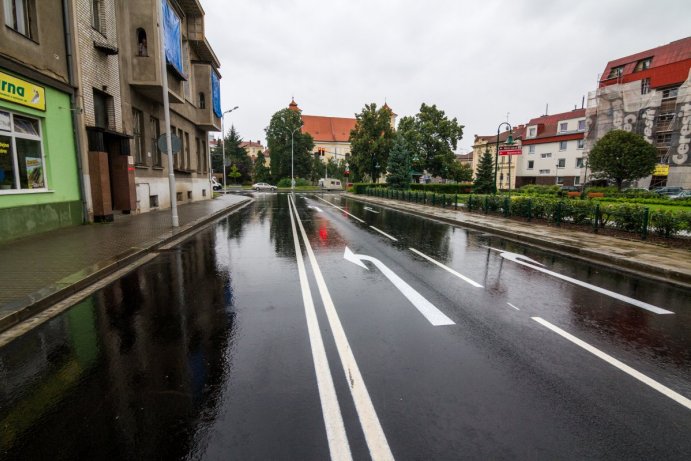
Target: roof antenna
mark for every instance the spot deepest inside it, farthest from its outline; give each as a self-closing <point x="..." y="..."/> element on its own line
<point x="546" y="108"/>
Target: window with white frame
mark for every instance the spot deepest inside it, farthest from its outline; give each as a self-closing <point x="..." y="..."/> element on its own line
<point x="645" y="86"/>
<point x="564" y="126"/>
<point x="545" y="171"/>
<point x="531" y="164"/>
<point x="560" y="180"/>
<point x="562" y="145"/>
<point x="580" y="143"/>
<point x="581" y="125"/>
<point x="531" y="149"/>
<point x="579" y="162"/>
<point x="546" y="155"/>
<point x="22" y="164"/>
<point x="561" y="163"/>
<point x="532" y="132"/>
<point x="20" y="15"/>
<point x="577" y="181"/>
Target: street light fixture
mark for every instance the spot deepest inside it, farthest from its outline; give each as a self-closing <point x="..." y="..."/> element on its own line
<point x="509" y="141"/>
<point x="223" y="144"/>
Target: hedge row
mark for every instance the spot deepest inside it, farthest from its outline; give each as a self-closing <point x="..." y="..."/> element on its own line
<point x="625" y="217"/>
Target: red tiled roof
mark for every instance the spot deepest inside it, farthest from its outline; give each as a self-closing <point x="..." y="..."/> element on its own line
<point x="549" y="124"/>
<point x="328" y="129"/>
<point x="518" y="132"/>
<point x="669" y="64"/>
<point x="251" y="144"/>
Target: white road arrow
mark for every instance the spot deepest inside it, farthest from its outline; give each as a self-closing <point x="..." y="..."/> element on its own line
<point x="526" y="261"/>
<point x="426" y="308"/>
<point x="371" y="210"/>
<point x="315" y="208"/>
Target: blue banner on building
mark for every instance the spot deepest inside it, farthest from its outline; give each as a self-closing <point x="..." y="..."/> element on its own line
<point x="171" y="31"/>
<point x="216" y="93"/>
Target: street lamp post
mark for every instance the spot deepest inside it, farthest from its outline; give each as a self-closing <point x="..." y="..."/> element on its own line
<point x="223" y="144"/>
<point x="292" y="163"/>
<point x="509" y="141"/>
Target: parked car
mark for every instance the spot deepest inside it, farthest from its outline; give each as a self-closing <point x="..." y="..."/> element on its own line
<point x="685" y="194"/>
<point x="215" y="184"/>
<point x="263" y="186"/>
<point x="668" y="190"/>
<point x="330" y="184"/>
<point x="570" y="188"/>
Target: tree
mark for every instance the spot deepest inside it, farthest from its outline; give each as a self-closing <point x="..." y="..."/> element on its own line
<point x="460" y="172"/>
<point x="234" y="173"/>
<point x="278" y="137"/>
<point x="261" y="171"/>
<point x="433" y="138"/>
<point x="399" y="165"/>
<point x="484" y="176"/>
<point x="622" y="156"/>
<point x="370" y="141"/>
<point x="234" y="154"/>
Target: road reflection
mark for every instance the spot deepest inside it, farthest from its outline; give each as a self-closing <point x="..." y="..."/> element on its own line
<point x="135" y="371"/>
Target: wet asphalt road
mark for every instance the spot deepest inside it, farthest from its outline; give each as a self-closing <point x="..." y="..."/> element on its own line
<point x="205" y="353"/>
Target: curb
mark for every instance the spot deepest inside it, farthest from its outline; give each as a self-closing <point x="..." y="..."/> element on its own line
<point x="612" y="262"/>
<point x="33" y="303"/>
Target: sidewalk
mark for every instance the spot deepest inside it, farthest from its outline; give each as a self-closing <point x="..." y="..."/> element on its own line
<point x="638" y="257"/>
<point x="40" y="270"/>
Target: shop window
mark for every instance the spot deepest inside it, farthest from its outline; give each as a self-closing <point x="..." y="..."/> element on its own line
<point x="20" y="15"/>
<point x="21" y="153"/>
<point x="142" y="46"/>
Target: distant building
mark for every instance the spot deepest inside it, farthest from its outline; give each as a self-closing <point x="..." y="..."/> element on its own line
<point x="331" y="134"/>
<point x="508" y="165"/>
<point x="253" y="148"/>
<point x="552" y="150"/>
<point x="649" y="93"/>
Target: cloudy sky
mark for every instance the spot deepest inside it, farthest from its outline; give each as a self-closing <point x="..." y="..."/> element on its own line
<point x="476" y="60"/>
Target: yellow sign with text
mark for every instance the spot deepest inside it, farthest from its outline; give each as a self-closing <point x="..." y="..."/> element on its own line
<point x="661" y="169"/>
<point x="22" y="92"/>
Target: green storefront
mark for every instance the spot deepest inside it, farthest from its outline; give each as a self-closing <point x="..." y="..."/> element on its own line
<point x="39" y="180"/>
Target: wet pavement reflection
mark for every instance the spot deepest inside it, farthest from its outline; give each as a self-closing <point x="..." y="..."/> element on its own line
<point x="144" y="354"/>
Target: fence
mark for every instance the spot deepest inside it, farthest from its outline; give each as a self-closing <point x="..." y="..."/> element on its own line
<point x="625" y="217"/>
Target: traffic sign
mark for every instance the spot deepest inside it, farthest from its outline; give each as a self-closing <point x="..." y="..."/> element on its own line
<point x="509" y="151"/>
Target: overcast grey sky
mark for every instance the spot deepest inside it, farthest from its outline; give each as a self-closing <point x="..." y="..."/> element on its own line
<point x="476" y="60"/>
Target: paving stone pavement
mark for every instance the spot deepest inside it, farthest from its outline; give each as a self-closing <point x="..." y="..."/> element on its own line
<point x="670" y="265"/>
<point x="39" y="268"/>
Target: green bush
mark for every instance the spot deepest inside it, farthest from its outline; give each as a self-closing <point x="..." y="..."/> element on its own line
<point x="285" y="183"/>
<point x="624" y="217"/>
<point x="458" y="188"/>
<point x="666" y="223"/>
<point x="534" y="189"/>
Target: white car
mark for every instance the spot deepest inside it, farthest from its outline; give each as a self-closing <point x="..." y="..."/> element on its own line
<point x="215" y="184"/>
<point x="263" y="186"/>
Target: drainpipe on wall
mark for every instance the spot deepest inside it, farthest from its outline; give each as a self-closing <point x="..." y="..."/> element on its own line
<point x="74" y="109"/>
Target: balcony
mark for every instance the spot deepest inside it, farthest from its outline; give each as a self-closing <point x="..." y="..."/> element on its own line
<point x="206" y="119"/>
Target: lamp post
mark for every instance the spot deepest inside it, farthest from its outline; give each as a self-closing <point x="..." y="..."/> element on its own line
<point x="292" y="163"/>
<point x="509" y="141"/>
<point x="223" y="144"/>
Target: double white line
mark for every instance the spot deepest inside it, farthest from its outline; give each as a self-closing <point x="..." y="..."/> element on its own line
<point x="333" y="420"/>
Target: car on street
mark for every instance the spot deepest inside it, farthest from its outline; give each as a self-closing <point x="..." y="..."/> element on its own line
<point x="668" y="190"/>
<point x="263" y="186"/>
<point x="685" y="194"/>
<point x="215" y="184"/>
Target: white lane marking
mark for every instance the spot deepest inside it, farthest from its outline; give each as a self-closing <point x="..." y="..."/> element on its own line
<point x="461" y="276"/>
<point x="426" y="308"/>
<point x="315" y="208"/>
<point x="384" y="234"/>
<point x="513" y="306"/>
<point x="371" y="427"/>
<point x="526" y="261"/>
<point x="616" y="363"/>
<point x="333" y="420"/>
<point x="338" y="207"/>
<point x="371" y="210"/>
